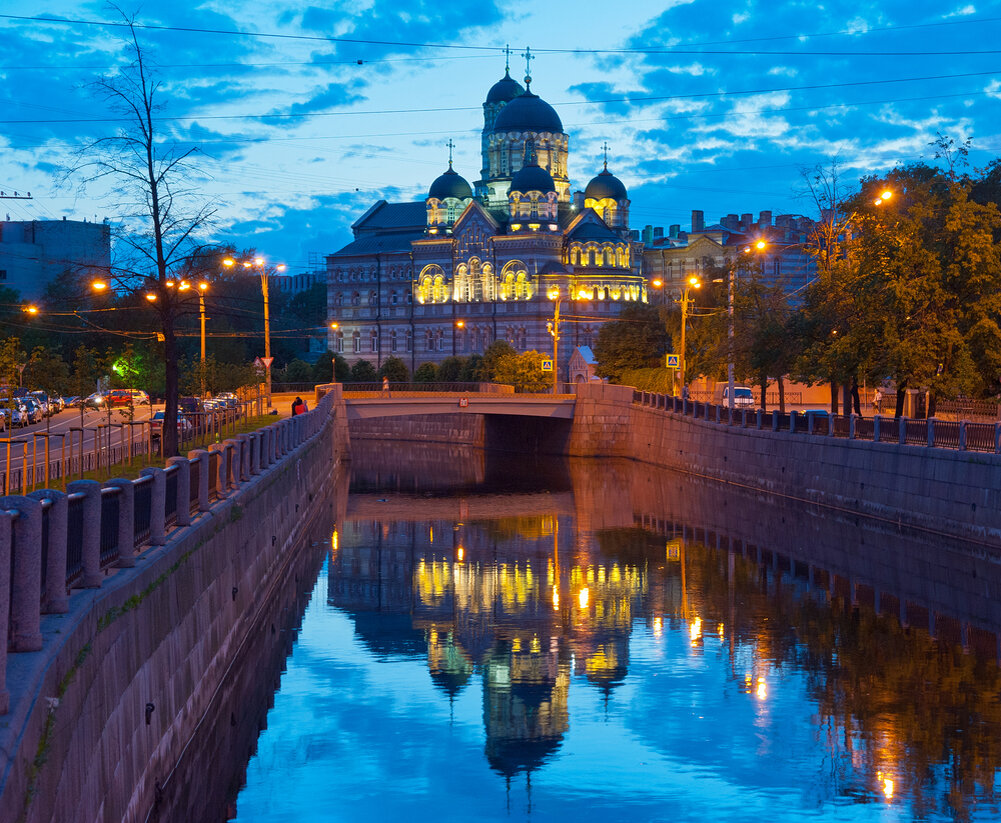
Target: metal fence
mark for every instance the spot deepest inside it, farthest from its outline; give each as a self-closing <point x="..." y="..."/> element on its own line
<point x="93" y="543"/>
<point x="933" y="432"/>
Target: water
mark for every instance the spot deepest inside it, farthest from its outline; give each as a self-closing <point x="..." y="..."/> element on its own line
<point x="602" y="641"/>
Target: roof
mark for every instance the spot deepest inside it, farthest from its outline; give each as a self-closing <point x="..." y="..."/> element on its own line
<point x="591" y="230"/>
<point x="588" y="355"/>
<point x="380" y="243"/>
<point x="605" y="185"/>
<point x="528" y="112"/>
<point x="450" y="184"/>
<point x="387" y="216"/>
<point x="504" y="90"/>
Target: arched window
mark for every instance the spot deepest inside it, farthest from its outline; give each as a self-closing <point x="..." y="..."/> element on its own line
<point x="521" y="287"/>
<point x="507" y="286"/>
<point x="410" y="340"/>
<point x="339" y="342"/>
<point x="373" y="298"/>
<point x="355" y="299"/>
<point x="438" y="289"/>
<point x="394" y="297"/>
<point x="424" y="290"/>
<point x="610" y="256"/>
<point x="574" y="256"/>
<point x="374" y="341"/>
<point x="356" y="342"/>
<point x="339" y="299"/>
<point x="439" y="340"/>
<point x="429" y="340"/>
<point x="392" y="341"/>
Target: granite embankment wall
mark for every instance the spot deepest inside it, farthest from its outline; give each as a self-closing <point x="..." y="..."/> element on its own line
<point x="467" y="429"/>
<point x="101" y="713"/>
<point x="939" y="489"/>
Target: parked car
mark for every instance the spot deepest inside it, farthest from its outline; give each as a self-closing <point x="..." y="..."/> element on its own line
<point x="32" y="409"/>
<point x="184" y="427"/>
<point x="72" y="401"/>
<point x="95" y="401"/>
<point x="189" y="405"/>
<point x="42" y="399"/>
<point x="743" y="396"/>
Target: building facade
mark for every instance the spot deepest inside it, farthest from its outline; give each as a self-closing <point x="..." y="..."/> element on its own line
<point x="471" y="264"/>
<point x="33" y="253"/>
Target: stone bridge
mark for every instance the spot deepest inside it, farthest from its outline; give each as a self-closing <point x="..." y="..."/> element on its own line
<point x="365" y="405"/>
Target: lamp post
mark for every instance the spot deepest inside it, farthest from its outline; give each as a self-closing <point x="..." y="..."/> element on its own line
<point x="686" y="298"/>
<point x="459" y="324"/>
<point x="202" y="288"/>
<point x="258" y="263"/>
<point x="554" y="330"/>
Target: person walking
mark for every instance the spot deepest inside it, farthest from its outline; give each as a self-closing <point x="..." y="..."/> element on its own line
<point x="297" y="407"/>
<point x="877" y="401"/>
<point x="385" y="385"/>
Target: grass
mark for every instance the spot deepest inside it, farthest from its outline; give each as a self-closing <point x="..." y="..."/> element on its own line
<point x="131" y="468"/>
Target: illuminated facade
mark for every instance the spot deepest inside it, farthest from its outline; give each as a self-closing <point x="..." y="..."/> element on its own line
<point x="472" y="264"/>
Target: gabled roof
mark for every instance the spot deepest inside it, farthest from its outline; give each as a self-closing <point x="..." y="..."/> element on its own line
<point x="589" y="226"/>
<point x="467" y="214"/>
<point x="588" y="355"/>
<point x="383" y="216"/>
<point x="379" y="244"/>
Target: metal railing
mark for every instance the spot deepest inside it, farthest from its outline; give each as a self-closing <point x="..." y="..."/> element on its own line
<point x="93" y="543"/>
<point x="963" y="435"/>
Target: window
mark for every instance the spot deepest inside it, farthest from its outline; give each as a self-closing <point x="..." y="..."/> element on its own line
<point x="392" y="342"/>
<point x="429" y="340"/>
<point x="410" y="340"/>
<point x="356" y="342"/>
<point x="394" y="297"/>
<point x="339" y="342"/>
<point x="3" y="274"/>
<point x="374" y="339"/>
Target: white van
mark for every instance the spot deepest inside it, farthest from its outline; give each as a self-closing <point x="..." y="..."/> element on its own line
<point x="743" y="397"/>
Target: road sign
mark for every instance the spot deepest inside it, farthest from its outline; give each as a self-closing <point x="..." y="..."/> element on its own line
<point x="547" y="365"/>
<point x="463" y="402"/>
<point x="258" y="364"/>
<point x="267" y="361"/>
<point x="674" y="361"/>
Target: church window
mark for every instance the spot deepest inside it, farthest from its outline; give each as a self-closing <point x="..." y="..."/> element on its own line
<point x="574" y="256"/>
<point x="374" y="341"/>
<point x="373" y="298"/>
<point x="587" y="336"/>
<point x="394" y="297"/>
<point x="424" y="290"/>
<point x="610" y="256"/>
<point x="339" y="342"/>
<point x="439" y="340"/>
<point x="356" y="342"/>
<point x="355" y="299"/>
<point x="521" y="288"/>
<point x="438" y="291"/>
<point x="429" y="340"/>
<point x="339" y="299"/>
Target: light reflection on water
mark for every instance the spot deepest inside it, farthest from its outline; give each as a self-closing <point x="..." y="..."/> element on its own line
<point x="537" y="656"/>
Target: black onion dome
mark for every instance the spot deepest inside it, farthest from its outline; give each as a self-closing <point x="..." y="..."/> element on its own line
<point x="450" y="184"/>
<point x="528" y="112"/>
<point x="533" y="178"/>
<point x="605" y="185"/>
<point x="504" y="90"/>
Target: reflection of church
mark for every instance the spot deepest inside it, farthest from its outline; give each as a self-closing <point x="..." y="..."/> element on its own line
<point x="488" y="254"/>
<point x="494" y="598"/>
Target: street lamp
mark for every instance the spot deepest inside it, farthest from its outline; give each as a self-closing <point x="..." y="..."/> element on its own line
<point x="686" y="298"/>
<point x="202" y="288"/>
<point x="459" y="324"/>
<point x="258" y="262"/>
<point x="554" y="329"/>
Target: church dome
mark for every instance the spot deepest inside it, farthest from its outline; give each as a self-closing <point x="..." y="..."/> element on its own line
<point x="528" y="112"/>
<point x="605" y="185"/>
<point x="504" y="90"/>
<point x="450" y="184"/>
<point x="533" y="178"/>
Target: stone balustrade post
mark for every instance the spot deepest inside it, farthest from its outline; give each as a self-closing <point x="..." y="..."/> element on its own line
<point x="91" y="538"/>
<point x="997" y="438"/>
<point x="126" y="521"/>
<point x="233" y="463"/>
<point x="157" y="506"/>
<point x="55" y="600"/>
<point x="243" y="447"/>
<point x="183" y="470"/>
<point x="851" y="426"/>
<point x="902" y="430"/>
<point x="202" y="456"/>
<point x="222" y="470"/>
<point x="255" y="453"/>
<point x="962" y="435"/>
<point x="268" y="452"/>
<point x="775" y="421"/>
<point x="930" y="427"/>
<point x="875" y="428"/>
<point x="792" y="421"/>
<point x="5" y="528"/>
<point x="26" y="575"/>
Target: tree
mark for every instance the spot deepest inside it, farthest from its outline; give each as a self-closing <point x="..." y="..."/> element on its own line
<point x="323" y="368"/>
<point x="523" y="371"/>
<point x="84" y="371"/>
<point x="151" y="175"/>
<point x="426" y="373"/>
<point x="297" y="371"/>
<point x="494" y="353"/>
<point x="47" y="370"/>
<point x="342" y="371"/>
<point x="395" y="369"/>
<point x="450" y="369"/>
<point x="363" y="372"/>
<point x="637" y="339"/>
<point x="12" y="359"/>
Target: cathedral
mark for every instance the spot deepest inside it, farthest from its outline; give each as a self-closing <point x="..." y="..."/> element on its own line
<point x="496" y="260"/>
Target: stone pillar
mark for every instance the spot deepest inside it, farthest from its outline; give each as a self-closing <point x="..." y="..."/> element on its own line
<point x="202" y="456"/>
<point x="931" y="432"/>
<point x="851" y="427"/>
<point x="759" y="418"/>
<point x="222" y="475"/>
<point x="902" y="439"/>
<point x="875" y="428"/>
<point x="126" y="521"/>
<point x="233" y="463"/>
<point x="243" y="445"/>
<point x="54" y="598"/>
<point x="255" y="453"/>
<point x="792" y="421"/>
<point x="775" y="421"/>
<point x="183" y="469"/>
<point x="157" y="506"/>
<point x="5" y="527"/>
<point x="267" y="451"/>
<point x="91" y="539"/>
<point x="962" y="435"/>
<point x="26" y="575"/>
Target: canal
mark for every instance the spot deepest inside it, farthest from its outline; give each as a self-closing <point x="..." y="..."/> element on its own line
<point x="490" y="638"/>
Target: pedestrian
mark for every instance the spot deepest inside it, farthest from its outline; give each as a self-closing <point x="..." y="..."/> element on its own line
<point x="877" y="401"/>
<point x="385" y="385"/>
<point x="297" y="406"/>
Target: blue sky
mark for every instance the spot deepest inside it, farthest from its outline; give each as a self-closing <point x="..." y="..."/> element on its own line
<point x="704" y="106"/>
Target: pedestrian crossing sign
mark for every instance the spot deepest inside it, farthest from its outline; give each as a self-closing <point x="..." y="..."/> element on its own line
<point x="547" y="365"/>
<point x="673" y="361"/>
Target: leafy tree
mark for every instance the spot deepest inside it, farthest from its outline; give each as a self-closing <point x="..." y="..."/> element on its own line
<point x="323" y="368"/>
<point x="450" y="369"/>
<point x="84" y="371"/>
<point x="297" y="371"/>
<point x="523" y="371"/>
<point x="496" y="351"/>
<point x="472" y="369"/>
<point x="363" y="372"/>
<point x="47" y="370"/>
<point x="12" y="357"/>
<point x="426" y="373"/>
<point x="636" y="339"/>
<point x="395" y="369"/>
<point x="342" y="371"/>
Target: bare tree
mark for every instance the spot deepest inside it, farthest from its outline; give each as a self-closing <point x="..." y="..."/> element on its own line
<point x="151" y="175"/>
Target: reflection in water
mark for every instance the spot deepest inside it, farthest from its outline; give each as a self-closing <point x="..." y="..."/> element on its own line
<point x="645" y="646"/>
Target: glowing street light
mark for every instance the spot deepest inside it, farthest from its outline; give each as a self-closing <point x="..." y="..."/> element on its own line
<point x="554" y="329"/>
<point x="686" y="298"/>
<point x="99" y="285"/>
<point x="459" y="325"/>
<point x="30" y="309"/>
<point x="151" y="296"/>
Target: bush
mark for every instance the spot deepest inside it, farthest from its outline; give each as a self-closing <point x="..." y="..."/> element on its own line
<point x="450" y="369"/>
<point x="426" y="373"/>
<point x="298" y="371"/>
<point x="395" y="369"/>
<point x="652" y="380"/>
<point x="523" y="371"/>
<point x="323" y="368"/>
<point x="363" y="372"/>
